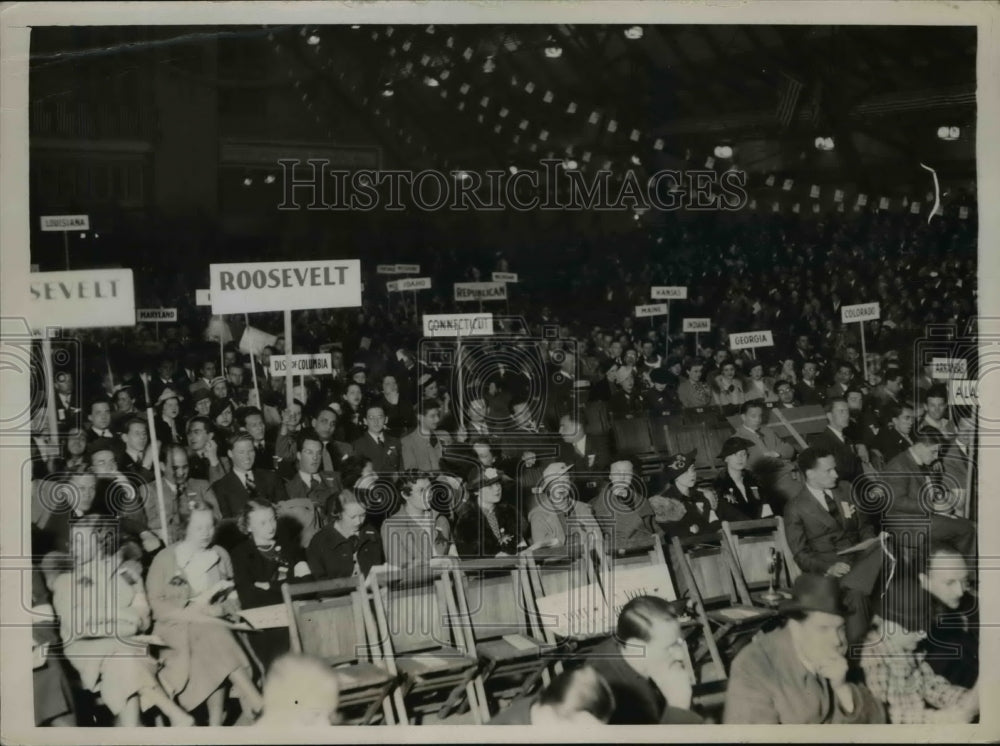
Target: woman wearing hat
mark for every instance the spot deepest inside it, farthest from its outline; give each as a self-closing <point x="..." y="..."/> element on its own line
<point x="221" y="414"/>
<point x="556" y="514"/>
<point x="897" y="672"/>
<point x="682" y="509"/>
<point x="736" y="486"/>
<point x="168" y="423"/>
<point x="756" y="386"/>
<point x="485" y="527"/>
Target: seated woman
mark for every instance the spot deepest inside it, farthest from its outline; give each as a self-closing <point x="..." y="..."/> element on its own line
<point x="361" y="483"/>
<point x="681" y="509"/>
<point x="416" y="533"/>
<point x="221" y="415"/>
<point x="579" y="696"/>
<point x="190" y="587"/>
<point x="168" y="423"/>
<point x="739" y="494"/>
<point x="100" y="603"/>
<point x="260" y="566"/>
<point x="53" y="695"/>
<point x="485" y="527"/>
<point x="557" y="519"/>
<point x="346" y="544"/>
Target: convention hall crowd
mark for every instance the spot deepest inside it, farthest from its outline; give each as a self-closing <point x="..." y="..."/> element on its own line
<point x="803" y="515"/>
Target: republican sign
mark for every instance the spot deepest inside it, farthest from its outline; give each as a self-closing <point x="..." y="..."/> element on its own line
<point x="860" y="312"/>
<point x="473" y="291"/>
<point x="284" y="286"/>
<point x="65" y="222"/>
<point x="697" y="325"/>
<point x="82" y="298"/>
<point x="749" y="340"/>
<point x="669" y="292"/>
<point x="155" y="314"/>
<point x="458" y="324"/>
<point x="312" y="365"/>
<point x="652" y="309"/>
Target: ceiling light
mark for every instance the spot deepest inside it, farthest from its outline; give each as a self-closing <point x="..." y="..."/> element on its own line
<point x="356" y="26"/>
<point x="313" y="40"/>
<point x="948" y="133"/>
<point x="723" y="151"/>
<point x="463" y="175"/>
<point x="269" y="179"/>
<point x="553" y="51"/>
<point x="431" y="82"/>
<point x="633" y="32"/>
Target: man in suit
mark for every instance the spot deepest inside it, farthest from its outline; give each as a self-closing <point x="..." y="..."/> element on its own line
<point x="204" y="459"/>
<point x="308" y="490"/>
<point x="383" y="450"/>
<point x="808" y="390"/>
<point x="99" y="418"/>
<point x="913" y="495"/>
<point x="936" y="406"/>
<point x="836" y="441"/>
<point x="423" y="448"/>
<point x="179" y="490"/>
<point x="251" y="420"/>
<point x="67" y="401"/>
<point x="589" y="455"/>
<point x="896" y="435"/>
<point x="245" y="481"/>
<point x="324" y="423"/>
<point x="786" y="395"/>
<point x="890" y="392"/>
<point x="841" y="381"/>
<point x="137" y="457"/>
<point x="959" y="464"/>
<point x="823" y="520"/>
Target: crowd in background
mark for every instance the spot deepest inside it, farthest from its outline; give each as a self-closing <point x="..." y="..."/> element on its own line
<point x="511" y="445"/>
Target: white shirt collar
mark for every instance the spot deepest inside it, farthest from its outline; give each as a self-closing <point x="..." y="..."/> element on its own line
<point x="307" y="478"/>
<point x="838" y="433"/>
<point x="820" y="495"/>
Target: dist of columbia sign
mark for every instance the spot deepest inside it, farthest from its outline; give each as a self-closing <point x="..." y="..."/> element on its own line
<point x="284" y="286"/>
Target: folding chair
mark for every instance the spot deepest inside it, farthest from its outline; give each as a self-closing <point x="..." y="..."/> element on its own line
<point x="415" y="612"/>
<point x="750" y="546"/>
<point x="791" y="566"/>
<point x="493" y="597"/>
<point x="330" y="621"/>
<point x="633" y="437"/>
<point x="705" y="557"/>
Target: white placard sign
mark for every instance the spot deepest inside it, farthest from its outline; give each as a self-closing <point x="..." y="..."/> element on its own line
<point x="475" y="291"/>
<point x="408" y="269"/>
<point x="458" y="324"/>
<point x="860" y="312"/>
<point x="81" y="298"/>
<point x="412" y="283"/>
<point x="652" y="309"/>
<point x="392" y="286"/>
<point x="750" y="340"/>
<point x="669" y="292"/>
<point x="155" y="314"/>
<point x="285" y="286"/>
<point x="385" y="269"/>
<point x="697" y="325"/>
<point x="963" y="393"/>
<point x="505" y="277"/>
<point x="203" y="297"/>
<point x="949" y="367"/>
<point x="590" y="613"/>
<point x="65" y="222"/>
<point x="312" y="365"/>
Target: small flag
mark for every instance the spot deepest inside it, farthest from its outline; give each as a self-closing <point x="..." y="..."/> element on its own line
<point x="787" y="185"/>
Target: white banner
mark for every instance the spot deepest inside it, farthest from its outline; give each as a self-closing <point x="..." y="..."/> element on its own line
<point x="256" y="340"/>
<point x="303" y="365"/>
<point x="81" y="298"/>
<point x="697" y="325"/>
<point x="653" y="309"/>
<point x="65" y="222"/>
<point x="949" y="367"/>
<point x="749" y="340"/>
<point x="669" y="292"/>
<point x="860" y="312"/>
<point x="408" y="269"/>
<point x="473" y="291"/>
<point x="155" y="314"/>
<point x="964" y="393"/>
<point x="283" y="286"/>
<point x="410" y="283"/>
<point x="203" y="297"/>
<point x="577" y="612"/>
<point x="458" y="324"/>
<point x="505" y="277"/>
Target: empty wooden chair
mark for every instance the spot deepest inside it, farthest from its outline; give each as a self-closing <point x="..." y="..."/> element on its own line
<point x="759" y="562"/>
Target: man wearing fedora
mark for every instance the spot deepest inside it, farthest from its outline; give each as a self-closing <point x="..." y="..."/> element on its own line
<point x="798" y="672"/>
<point x="556" y="515"/>
<point x="821" y="522"/>
<point x="897" y="672"/>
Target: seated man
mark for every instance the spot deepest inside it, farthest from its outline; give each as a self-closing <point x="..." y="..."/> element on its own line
<point x="836" y="440"/>
<point x="913" y="494"/>
<point x="645" y="663"/>
<point x="623" y="510"/>
<point x="578" y="696"/>
<point x="821" y="522"/>
<point x="308" y="491"/>
<point x="557" y="518"/>
<point x="769" y="456"/>
<point x="895" y="434"/>
<point x="798" y="672"/>
<point x="952" y="643"/>
<point x="897" y="673"/>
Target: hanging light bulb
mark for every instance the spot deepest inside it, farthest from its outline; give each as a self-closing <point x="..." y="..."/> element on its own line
<point x="553" y="51"/>
<point x="431" y="82"/>
<point x="313" y="40"/>
<point x="633" y="32"/>
<point x="269" y="179"/>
